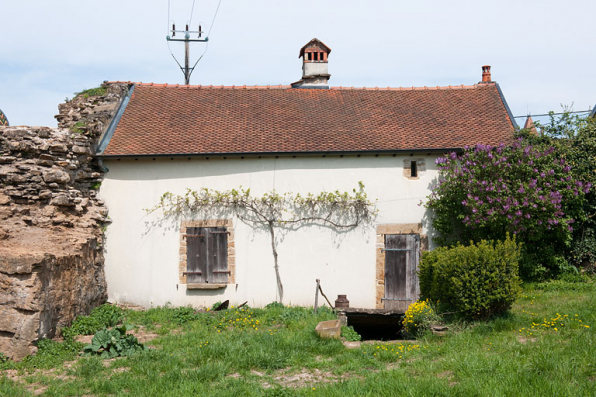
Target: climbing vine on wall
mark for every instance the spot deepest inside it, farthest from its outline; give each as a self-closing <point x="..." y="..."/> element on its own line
<point x="288" y="211"/>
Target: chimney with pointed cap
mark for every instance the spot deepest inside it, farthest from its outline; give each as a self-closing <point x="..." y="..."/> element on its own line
<point x="486" y="78"/>
<point x="315" y="72"/>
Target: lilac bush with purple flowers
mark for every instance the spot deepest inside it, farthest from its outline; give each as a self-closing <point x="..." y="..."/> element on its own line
<point x="523" y="189"/>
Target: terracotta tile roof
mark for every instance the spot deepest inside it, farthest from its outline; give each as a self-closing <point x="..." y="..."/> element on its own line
<point x="163" y="119"/>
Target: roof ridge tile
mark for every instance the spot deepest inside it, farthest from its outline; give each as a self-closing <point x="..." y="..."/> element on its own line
<point x="281" y="86"/>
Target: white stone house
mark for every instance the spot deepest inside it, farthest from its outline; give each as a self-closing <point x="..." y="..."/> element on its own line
<point x="303" y="138"/>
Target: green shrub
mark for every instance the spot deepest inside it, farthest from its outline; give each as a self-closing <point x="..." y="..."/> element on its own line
<point x="477" y="281"/>
<point x="110" y="343"/>
<point x="350" y="334"/>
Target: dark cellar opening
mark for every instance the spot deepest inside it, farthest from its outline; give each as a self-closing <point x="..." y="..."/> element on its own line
<point x="373" y="326"/>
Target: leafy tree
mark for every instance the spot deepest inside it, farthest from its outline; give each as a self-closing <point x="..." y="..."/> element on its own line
<point x="525" y="189"/>
<point x="575" y="140"/>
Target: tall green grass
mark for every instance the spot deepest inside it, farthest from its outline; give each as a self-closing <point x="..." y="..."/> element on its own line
<point x="257" y="352"/>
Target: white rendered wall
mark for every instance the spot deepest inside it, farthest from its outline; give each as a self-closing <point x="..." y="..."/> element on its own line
<point x="142" y="251"/>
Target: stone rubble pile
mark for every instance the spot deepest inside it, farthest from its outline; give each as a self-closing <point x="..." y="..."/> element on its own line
<point x="49" y="177"/>
<point x="91" y="115"/>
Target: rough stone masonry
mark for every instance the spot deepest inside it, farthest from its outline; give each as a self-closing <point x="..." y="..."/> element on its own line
<point x="51" y="222"/>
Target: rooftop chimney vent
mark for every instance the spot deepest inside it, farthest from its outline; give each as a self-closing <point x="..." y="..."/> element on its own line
<point x="315" y="73"/>
<point x="486" y="78"/>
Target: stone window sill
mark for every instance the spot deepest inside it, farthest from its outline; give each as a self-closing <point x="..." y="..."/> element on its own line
<point x="206" y="286"/>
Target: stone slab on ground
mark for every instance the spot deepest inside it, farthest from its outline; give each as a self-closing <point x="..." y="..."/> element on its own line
<point x="329" y="329"/>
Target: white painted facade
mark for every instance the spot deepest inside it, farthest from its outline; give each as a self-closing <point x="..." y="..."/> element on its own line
<point x="142" y="255"/>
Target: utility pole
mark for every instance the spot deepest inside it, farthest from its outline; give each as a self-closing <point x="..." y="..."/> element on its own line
<point x="187" y="70"/>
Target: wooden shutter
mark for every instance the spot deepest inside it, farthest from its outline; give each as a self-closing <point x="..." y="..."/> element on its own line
<point x="207" y="255"/>
<point x="401" y="264"/>
<point x="217" y="263"/>
<point x="196" y="253"/>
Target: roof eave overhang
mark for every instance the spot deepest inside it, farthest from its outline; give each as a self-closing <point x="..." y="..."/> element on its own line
<point x="280" y="154"/>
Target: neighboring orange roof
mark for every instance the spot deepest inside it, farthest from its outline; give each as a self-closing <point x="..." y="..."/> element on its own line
<point x="175" y="119"/>
<point x="529" y="125"/>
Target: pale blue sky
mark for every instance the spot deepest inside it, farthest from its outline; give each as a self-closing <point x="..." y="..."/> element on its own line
<point x="541" y="51"/>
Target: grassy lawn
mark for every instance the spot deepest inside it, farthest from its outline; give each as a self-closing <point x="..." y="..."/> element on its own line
<point x="545" y="347"/>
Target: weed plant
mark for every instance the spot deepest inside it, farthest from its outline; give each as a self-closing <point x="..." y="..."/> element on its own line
<point x="350" y="334"/>
<point x="98" y="91"/>
<point x="50" y="354"/>
<point x="115" y="342"/>
<point x="101" y="317"/>
<point x="185" y="314"/>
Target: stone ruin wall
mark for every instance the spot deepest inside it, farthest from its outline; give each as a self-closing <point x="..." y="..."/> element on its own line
<point x="51" y="222"/>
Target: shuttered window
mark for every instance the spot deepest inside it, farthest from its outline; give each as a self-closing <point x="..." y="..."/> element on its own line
<point x="207" y="255"/>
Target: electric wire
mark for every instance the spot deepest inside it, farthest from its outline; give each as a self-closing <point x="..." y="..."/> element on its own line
<point x="207" y="46"/>
<point x="214" y="16"/>
<point x="201" y="57"/>
<point x="192" y="10"/>
<point x="168" y="41"/>
<point x="173" y="56"/>
<point x="548" y="114"/>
